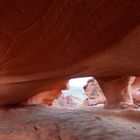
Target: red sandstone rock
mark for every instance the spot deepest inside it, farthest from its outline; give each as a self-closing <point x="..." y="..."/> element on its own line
<point x="135" y="86"/>
<point x="49" y="96"/>
<point x="44" y="41"/>
<point x="118" y="86"/>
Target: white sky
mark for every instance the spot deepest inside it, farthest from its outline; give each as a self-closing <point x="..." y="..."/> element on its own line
<point x="78" y="82"/>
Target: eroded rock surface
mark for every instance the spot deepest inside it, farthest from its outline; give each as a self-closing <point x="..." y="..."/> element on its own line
<point x="117" y="91"/>
<point x="52" y="93"/>
<point x="42" y="122"/>
<point x="44" y="41"/>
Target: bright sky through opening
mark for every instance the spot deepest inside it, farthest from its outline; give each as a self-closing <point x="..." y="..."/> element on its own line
<point x="78" y="82"/>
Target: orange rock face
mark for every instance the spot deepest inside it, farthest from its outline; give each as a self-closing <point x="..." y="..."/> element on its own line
<point x="49" y="96"/>
<point x="117" y="92"/>
<point x="46" y="41"/>
<point x="46" y="97"/>
<point x="135" y="86"/>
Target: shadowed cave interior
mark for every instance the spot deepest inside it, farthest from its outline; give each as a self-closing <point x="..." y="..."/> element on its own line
<point x="46" y="43"/>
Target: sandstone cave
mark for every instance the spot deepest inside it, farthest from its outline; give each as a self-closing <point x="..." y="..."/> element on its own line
<point x="44" y="44"/>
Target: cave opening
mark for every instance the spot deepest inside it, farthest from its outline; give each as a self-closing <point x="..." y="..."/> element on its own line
<point x="87" y="92"/>
<point x="80" y="92"/>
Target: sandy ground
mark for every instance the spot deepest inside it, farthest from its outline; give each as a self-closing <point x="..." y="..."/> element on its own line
<point x="47" y="123"/>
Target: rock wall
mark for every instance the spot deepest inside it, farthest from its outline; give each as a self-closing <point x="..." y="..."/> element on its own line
<point x="49" y="96"/>
<point x="44" y="41"/>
